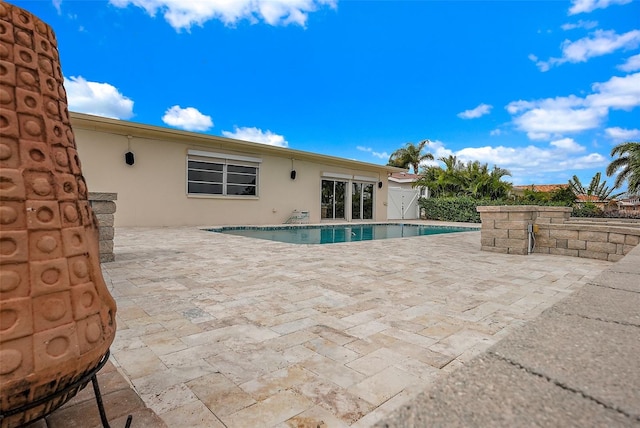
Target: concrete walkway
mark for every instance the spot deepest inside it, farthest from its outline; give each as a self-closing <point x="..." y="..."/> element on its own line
<point x="577" y="365"/>
<point x="218" y="330"/>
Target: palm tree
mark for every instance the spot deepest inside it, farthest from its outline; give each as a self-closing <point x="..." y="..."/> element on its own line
<point x="473" y="178"/>
<point x="596" y="188"/>
<point x="442" y="182"/>
<point x="497" y="188"/>
<point x="480" y="183"/>
<point x="628" y="163"/>
<point x="410" y="156"/>
<point x="459" y="179"/>
<point x="576" y="186"/>
<point x="451" y="179"/>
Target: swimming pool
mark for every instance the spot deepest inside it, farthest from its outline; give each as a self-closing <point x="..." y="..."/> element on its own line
<point x="331" y="234"/>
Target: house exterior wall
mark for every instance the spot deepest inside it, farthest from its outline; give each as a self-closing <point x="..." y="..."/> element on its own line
<point x="152" y="192"/>
<point x="404" y="186"/>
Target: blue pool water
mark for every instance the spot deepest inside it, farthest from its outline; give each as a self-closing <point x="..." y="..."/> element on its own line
<point x="338" y="233"/>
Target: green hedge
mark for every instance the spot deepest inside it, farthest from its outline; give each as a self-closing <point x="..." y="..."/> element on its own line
<point x="453" y="209"/>
<point x="464" y="208"/>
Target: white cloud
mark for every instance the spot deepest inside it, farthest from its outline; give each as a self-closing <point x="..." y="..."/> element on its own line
<point x="257" y="136"/>
<point x="523" y="161"/>
<point x="588" y="25"/>
<point x="621" y="134"/>
<point x="100" y="99"/>
<point x="617" y="93"/>
<point x="183" y="14"/>
<point x="632" y="64"/>
<point x="381" y="155"/>
<point x="601" y="43"/>
<point x="586" y="6"/>
<point x="526" y="163"/>
<point x="495" y="132"/>
<point x="542" y="123"/>
<point x="438" y="150"/>
<point x="598" y="43"/>
<point x="187" y="118"/>
<point x="542" y="65"/>
<point x="542" y="119"/>
<point x="568" y="145"/>
<point x="479" y="111"/>
<point x="57" y="4"/>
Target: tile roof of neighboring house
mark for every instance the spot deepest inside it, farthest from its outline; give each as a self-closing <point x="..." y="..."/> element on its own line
<point x="541" y="187"/>
<point x="403" y="177"/>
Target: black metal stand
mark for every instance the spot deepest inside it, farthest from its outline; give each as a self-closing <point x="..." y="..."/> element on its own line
<point x="91" y="375"/>
<point x="98" y="394"/>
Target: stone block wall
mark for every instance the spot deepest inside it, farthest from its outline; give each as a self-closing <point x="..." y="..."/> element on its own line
<point x="591" y="240"/>
<point x="104" y="207"/>
<point x="504" y="230"/>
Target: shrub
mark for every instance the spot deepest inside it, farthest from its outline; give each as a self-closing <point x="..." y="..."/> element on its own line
<point x="587" y="210"/>
<point x="463" y="208"/>
<point x="622" y="214"/>
<point x="453" y="209"/>
<point x="563" y="196"/>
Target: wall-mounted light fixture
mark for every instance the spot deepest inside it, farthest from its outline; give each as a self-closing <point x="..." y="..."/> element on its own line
<point x="293" y="171"/>
<point x="379" y="182"/>
<point x="129" y="157"/>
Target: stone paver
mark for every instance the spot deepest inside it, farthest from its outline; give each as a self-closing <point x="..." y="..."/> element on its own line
<point x="234" y="331"/>
<point x="575" y="365"/>
<point x="119" y="399"/>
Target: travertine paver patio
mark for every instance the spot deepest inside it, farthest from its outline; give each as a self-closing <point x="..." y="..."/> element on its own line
<point x="219" y="330"/>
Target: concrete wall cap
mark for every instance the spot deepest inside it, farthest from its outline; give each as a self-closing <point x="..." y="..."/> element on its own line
<point x="512" y="208"/>
<point x="592" y="228"/>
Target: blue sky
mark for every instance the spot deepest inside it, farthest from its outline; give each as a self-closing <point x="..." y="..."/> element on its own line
<point x="542" y="88"/>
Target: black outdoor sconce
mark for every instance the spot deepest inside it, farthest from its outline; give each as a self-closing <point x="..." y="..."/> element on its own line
<point x="379" y="184"/>
<point x="129" y="158"/>
<point x="293" y="171"/>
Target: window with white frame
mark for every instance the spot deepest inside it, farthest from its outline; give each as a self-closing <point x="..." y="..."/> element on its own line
<point x="222" y="175"/>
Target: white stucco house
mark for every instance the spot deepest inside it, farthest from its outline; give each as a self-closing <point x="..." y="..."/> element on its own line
<point x="169" y="177"/>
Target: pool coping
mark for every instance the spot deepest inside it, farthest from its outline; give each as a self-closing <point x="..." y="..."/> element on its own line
<point x="319" y="240"/>
<point x="332" y="225"/>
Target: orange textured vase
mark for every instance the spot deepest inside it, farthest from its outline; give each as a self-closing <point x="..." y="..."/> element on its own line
<point x="57" y="318"/>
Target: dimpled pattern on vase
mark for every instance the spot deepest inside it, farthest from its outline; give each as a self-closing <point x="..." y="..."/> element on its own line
<point x="57" y="318"/>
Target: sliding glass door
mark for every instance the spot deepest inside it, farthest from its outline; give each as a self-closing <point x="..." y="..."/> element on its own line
<point x="333" y="199"/>
<point x="362" y="201"/>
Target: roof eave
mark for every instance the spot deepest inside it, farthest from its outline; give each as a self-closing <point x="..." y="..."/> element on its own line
<point x="123" y="127"/>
